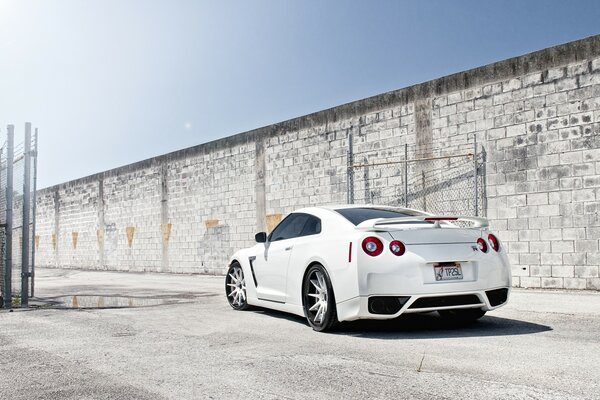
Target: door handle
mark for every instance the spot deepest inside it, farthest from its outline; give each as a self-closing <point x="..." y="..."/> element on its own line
<point x="288" y="248"/>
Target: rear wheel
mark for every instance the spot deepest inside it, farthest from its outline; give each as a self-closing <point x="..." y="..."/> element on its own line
<point x="462" y="315"/>
<point x="319" y="301"/>
<point x="235" y="287"/>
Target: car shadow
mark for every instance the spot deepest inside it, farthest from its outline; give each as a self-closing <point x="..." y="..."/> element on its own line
<point x="424" y="326"/>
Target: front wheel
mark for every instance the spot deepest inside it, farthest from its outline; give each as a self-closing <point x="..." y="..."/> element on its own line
<point x="319" y="300"/>
<point x="463" y="315"/>
<point x="235" y="287"/>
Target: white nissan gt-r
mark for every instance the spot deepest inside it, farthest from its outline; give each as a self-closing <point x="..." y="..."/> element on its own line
<point x="344" y="263"/>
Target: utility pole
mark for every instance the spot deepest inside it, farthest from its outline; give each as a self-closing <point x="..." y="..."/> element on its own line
<point x="33" y="249"/>
<point x="9" y="222"/>
<point x="26" y="217"/>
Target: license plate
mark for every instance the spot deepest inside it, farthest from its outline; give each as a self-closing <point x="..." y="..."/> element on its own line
<point x="447" y="271"/>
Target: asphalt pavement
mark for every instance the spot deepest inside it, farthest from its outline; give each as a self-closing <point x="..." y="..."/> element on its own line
<point x="108" y="335"/>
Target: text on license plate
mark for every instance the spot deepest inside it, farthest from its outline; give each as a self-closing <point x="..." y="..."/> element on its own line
<point x="447" y="271"/>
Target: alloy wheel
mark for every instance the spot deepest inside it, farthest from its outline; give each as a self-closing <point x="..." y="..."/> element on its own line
<point x="318" y="292"/>
<point x="319" y="299"/>
<point x="235" y="287"/>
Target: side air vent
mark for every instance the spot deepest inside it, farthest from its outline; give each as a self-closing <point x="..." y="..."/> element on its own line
<point x="386" y="304"/>
<point x="497" y="296"/>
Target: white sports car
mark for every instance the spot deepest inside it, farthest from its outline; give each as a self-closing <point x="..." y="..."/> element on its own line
<point x="344" y="263"/>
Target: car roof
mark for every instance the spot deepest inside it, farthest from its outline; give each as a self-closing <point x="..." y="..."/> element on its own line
<point x="377" y="206"/>
<point x="347" y="206"/>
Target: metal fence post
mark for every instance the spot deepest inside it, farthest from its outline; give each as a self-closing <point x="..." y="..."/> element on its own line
<point x="406" y="175"/>
<point x="350" y="170"/>
<point x="9" y="222"/>
<point x="475" y="161"/>
<point x="26" y="216"/>
<point x="33" y="211"/>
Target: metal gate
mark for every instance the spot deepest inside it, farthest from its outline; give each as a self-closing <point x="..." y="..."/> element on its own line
<point x="18" y="171"/>
<point x="448" y="180"/>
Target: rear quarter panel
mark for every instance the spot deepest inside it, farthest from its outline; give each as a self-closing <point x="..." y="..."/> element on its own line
<point x="331" y="251"/>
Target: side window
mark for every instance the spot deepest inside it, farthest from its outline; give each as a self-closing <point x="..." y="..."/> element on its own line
<point x="281" y="228"/>
<point x="295" y="225"/>
<point x="312" y="226"/>
<point x="292" y="227"/>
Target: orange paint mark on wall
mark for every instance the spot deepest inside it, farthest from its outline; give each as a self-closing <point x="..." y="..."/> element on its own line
<point x="74" y="236"/>
<point x="130" y="232"/>
<point x="211" y="223"/>
<point x="100" y="236"/>
<point x="166" y="231"/>
<point x="272" y="221"/>
<point x="54" y="241"/>
<point x="37" y="242"/>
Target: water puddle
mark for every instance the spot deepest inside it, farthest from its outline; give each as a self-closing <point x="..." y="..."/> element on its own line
<point x="116" y="301"/>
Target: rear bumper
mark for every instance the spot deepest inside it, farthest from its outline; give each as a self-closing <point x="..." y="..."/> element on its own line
<point x="364" y="307"/>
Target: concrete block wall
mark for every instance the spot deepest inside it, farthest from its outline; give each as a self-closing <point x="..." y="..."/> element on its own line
<point x="536" y="116"/>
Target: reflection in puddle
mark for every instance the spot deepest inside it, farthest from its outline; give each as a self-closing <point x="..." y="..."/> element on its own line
<point x="91" y="301"/>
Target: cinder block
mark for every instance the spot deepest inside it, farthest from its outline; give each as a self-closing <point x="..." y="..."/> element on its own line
<point x="566" y="84"/>
<point x="539" y="223"/>
<point x="537" y="199"/>
<point x="552" y="283"/>
<point x="563" y="271"/>
<point x="590" y="245"/>
<point x="562" y="246"/>
<point x="540" y="270"/>
<point x="531" y="259"/>
<point x="555" y="73"/>
<point x="530" y="282"/>
<point x="518" y="247"/>
<point x="520" y="270"/>
<point x="593" y="283"/>
<point x="548" y="210"/>
<point x="574" y="258"/>
<point x="551" y="259"/>
<point x="529" y="235"/>
<point x="575" y="283"/>
<point x="551" y="234"/>
<point x="586" y="271"/>
<point x="573" y="233"/>
<point x="560" y="197"/>
<point x="517" y="224"/>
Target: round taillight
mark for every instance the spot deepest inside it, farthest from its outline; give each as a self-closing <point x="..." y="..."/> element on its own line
<point x="372" y="246"/>
<point x="482" y="245"/>
<point x="494" y="242"/>
<point x="397" y="247"/>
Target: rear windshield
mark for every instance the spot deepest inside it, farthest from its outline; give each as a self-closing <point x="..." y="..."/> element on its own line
<point x="358" y="215"/>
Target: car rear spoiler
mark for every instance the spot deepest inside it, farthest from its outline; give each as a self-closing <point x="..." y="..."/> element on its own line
<point x="379" y="223"/>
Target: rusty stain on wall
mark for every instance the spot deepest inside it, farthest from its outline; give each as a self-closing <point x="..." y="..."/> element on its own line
<point x="100" y="236"/>
<point x="37" y="242"/>
<point x="272" y="221"/>
<point x="211" y="223"/>
<point x="130" y="232"/>
<point x="74" y="302"/>
<point x="74" y="236"/>
<point x="54" y="241"/>
<point x="166" y="231"/>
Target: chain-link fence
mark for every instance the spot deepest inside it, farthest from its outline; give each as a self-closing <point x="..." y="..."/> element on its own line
<point x="18" y="170"/>
<point x="437" y="180"/>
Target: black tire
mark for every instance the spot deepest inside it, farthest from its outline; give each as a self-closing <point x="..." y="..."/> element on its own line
<point x="320" y="318"/>
<point x="235" y="287"/>
<point x="462" y="315"/>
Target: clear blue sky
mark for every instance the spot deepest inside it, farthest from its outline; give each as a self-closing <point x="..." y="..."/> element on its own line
<point x="111" y="82"/>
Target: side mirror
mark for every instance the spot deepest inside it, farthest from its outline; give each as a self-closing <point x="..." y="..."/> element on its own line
<point x="261" y="237"/>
